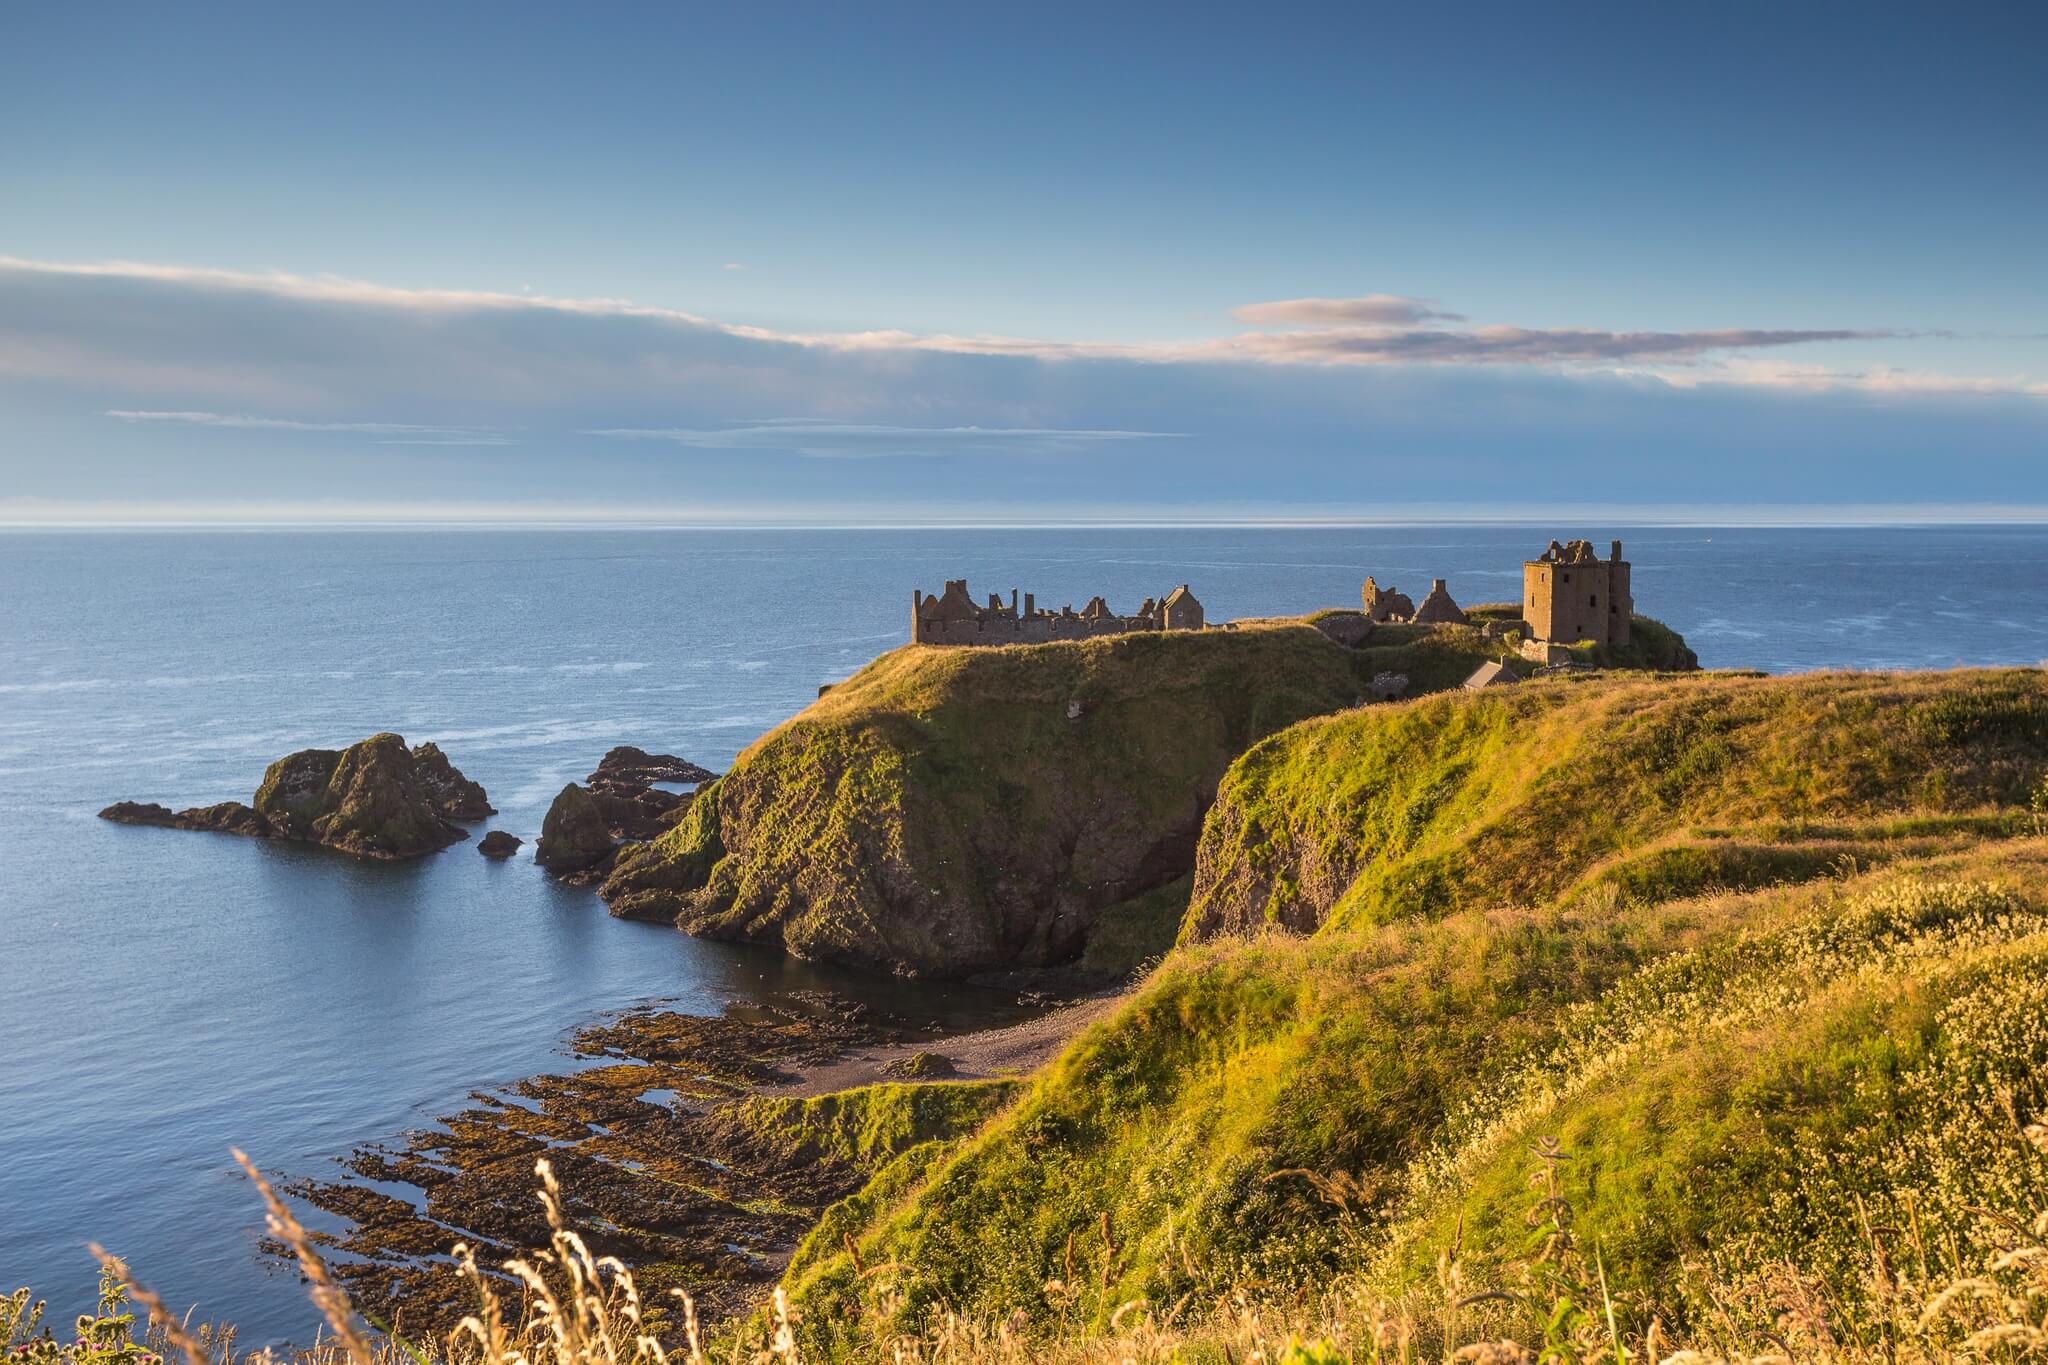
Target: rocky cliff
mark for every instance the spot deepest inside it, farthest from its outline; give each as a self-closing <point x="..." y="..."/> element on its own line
<point x="947" y="812"/>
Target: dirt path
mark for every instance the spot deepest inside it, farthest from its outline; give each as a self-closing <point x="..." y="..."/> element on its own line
<point x="1013" y="1051"/>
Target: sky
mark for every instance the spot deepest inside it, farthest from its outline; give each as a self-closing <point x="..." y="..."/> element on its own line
<point x="888" y="263"/>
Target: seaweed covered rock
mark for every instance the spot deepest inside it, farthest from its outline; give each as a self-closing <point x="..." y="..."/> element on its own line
<point x="229" y="817"/>
<point x="458" y="797"/>
<point x="499" y="844"/>
<point x="574" y="837"/>
<point x="627" y="769"/>
<point x="368" y="799"/>
<point x="375" y="799"/>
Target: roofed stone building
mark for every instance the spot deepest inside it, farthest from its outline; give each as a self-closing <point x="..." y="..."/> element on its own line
<point x="953" y="618"/>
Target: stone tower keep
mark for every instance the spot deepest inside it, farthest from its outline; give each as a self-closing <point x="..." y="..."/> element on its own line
<point x="1569" y="595"/>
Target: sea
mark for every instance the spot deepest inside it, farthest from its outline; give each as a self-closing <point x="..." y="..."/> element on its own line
<point x="166" y="996"/>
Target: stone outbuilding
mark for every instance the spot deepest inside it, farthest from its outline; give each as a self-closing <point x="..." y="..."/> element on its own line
<point x="1180" y="610"/>
<point x="1438" y="608"/>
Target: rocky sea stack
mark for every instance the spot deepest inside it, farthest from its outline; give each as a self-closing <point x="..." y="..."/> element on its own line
<point x="376" y="799"/>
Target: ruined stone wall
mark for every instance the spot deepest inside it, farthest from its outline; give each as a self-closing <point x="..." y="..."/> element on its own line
<point x="953" y="618"/>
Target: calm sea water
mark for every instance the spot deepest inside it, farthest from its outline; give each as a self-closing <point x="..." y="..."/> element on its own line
<point x="164" y="995"/>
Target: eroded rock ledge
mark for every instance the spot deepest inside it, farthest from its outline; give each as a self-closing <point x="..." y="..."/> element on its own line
<point x="375" y="799"/>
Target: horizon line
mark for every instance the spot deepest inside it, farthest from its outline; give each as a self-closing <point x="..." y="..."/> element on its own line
<point x="32" y="514"/>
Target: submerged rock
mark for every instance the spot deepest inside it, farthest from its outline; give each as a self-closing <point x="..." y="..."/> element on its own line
<point x="499" y="844"/>
<point x="375" y="799"/>
<point x="574" y="837"/>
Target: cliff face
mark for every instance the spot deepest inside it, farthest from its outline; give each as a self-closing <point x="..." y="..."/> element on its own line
<point x="946" y="812"/>
<point x="375" y="799"/>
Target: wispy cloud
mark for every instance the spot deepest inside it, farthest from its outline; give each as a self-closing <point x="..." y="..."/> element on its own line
<point x="844" y="440"/>
<point x="1523" y="345"/>
<point x="735" y="265"/>
<point x="1368" y="310"/>
<point x="388" y="433"/>
<point x="1375" y="329"/>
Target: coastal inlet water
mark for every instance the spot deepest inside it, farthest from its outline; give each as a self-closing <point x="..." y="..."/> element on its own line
<point x="164" y="995"/>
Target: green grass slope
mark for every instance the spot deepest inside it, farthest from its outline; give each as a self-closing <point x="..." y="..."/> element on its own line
<point x="947" y="811"/>
<point x="1653" y="786"/>
<point x="1748" y="1078"/>
<point x="1739" y="1080"/>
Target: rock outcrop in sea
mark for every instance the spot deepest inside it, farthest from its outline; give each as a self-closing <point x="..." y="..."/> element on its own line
<point x="499" y="844"/>
<point x="617" y="804"/>
<point x="573" y="837"/>
<point x="375" y="799"/>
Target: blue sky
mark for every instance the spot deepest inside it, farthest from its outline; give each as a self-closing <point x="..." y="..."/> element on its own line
<point x="902" y="262"/>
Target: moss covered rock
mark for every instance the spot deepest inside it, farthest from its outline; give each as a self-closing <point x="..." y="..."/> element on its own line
<point x="371" y="799"/>
<point x="574" y="837"/>
<point x="458" y="797"/>
<point x="375" y="799"/>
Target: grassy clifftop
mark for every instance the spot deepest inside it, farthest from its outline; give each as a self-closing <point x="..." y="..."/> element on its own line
<point x="1652" y="786"/>
<point x="1763" y="954"/>
<point x="946" y="811"/>
<point x="1738" y="1082"/>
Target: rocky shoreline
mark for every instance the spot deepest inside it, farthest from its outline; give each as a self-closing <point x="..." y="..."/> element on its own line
<point x="665" y="1142"/>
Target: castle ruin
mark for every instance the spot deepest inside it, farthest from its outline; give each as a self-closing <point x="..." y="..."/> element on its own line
<point x="1570" y="596"/>
<point x="953" y="618"/>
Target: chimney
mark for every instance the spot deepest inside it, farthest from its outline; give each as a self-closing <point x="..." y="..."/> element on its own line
<point x="1614" y="554"/>
<point x="1030" y="604"/>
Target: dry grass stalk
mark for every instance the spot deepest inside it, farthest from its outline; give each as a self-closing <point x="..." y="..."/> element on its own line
<point x="328" y="1296"/>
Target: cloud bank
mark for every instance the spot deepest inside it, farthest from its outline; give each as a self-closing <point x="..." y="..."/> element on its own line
<point x="149" y="381"/>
